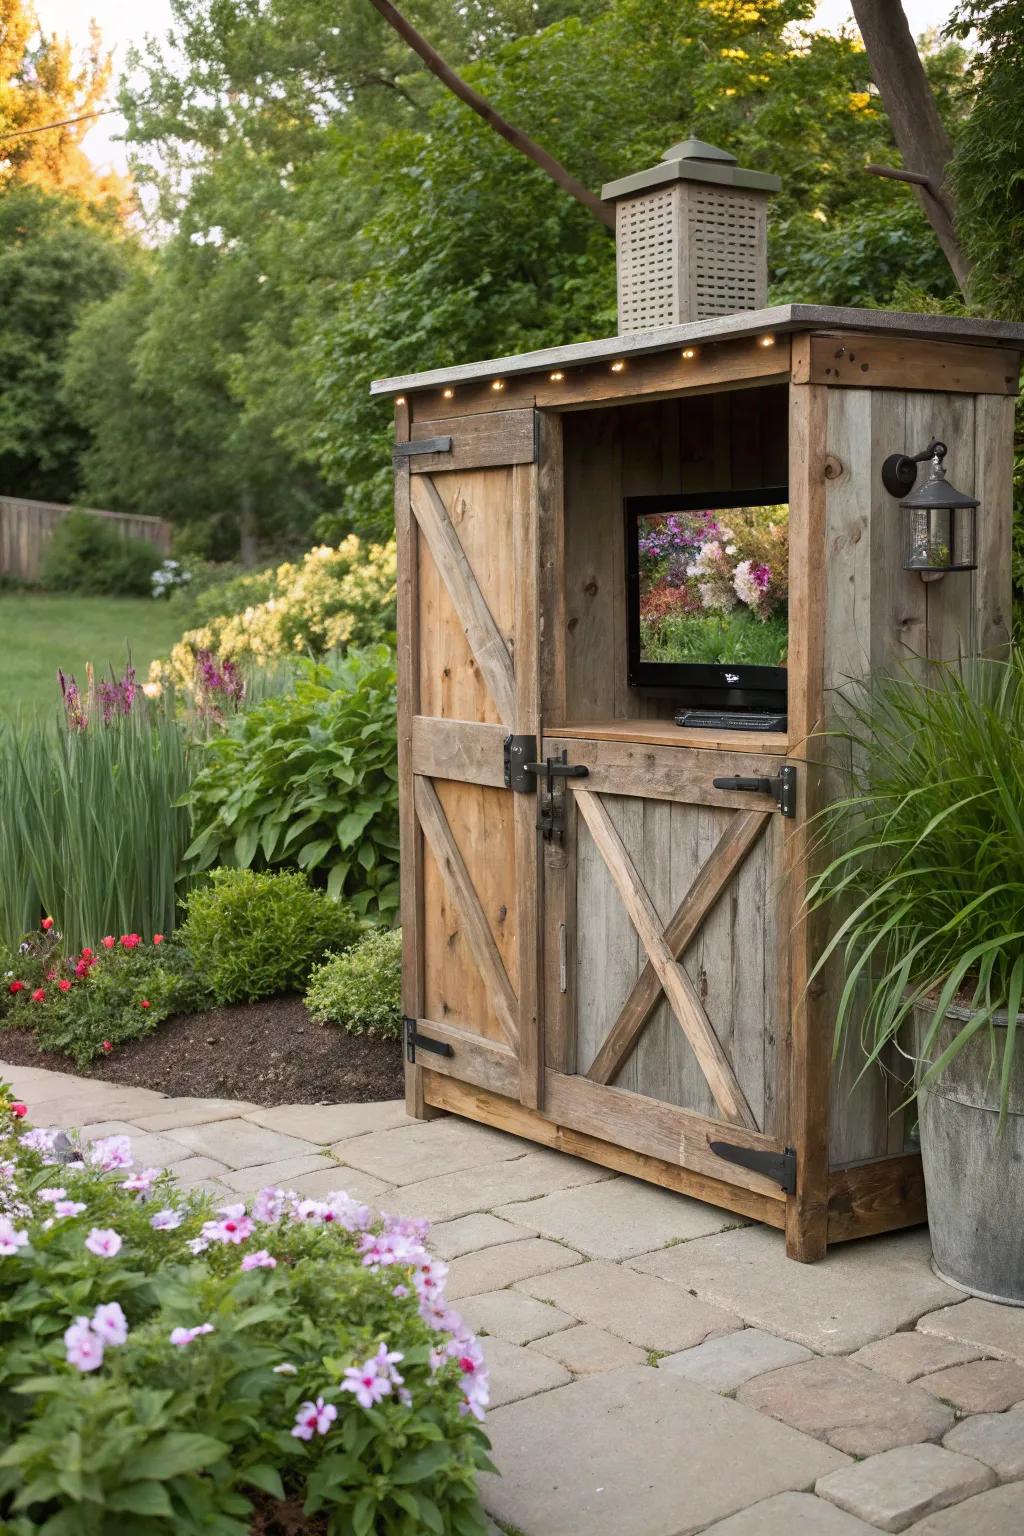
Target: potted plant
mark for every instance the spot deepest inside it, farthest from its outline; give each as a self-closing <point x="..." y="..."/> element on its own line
<point x="923" y="880"/>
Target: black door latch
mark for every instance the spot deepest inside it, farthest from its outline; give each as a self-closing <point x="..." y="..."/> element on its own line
<point x="782" y="787"/>
<point x="525" y="775"/>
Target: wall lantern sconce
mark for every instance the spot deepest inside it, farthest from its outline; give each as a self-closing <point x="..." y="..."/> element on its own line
<point x="938" y="520"/>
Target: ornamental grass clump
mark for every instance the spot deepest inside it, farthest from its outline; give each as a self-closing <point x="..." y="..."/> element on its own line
<point x="168" y="1368"/>
<point x="362" y="989"/>
<point x="926" y="866"/>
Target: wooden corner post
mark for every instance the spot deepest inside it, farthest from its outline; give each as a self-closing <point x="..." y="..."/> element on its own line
<point x="810" y="1037"/>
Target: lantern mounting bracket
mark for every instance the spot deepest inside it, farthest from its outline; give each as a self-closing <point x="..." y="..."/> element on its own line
<point x="899" y="472"/>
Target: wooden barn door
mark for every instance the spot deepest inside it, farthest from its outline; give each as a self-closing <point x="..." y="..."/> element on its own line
<point x="466" y="516"/>
<point x="673" y="1031"/>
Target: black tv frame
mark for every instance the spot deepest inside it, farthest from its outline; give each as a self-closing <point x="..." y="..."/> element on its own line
<point x="694" y="683"/>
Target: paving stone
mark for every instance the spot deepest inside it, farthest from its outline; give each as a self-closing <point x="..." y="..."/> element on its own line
<point x="586" y="1350"/>
<point x="619" y="1218"/>
<point x="517" y="1373"/>
<point x="283" y="1174"/>
<point x="429" y="1149"/>
<point x="791" y="1514"/>
<point x="239" y="1144"/>
<point x="192" y="1112"/>
<point x="478" y="1189"/>
<point x="640" y="1308"/>
<point x="468" y="1234"/>
<point x="151" y="1150"/>
<point x="511" y="1316"/>
<point x="195" y="1169"/>
<point x="858" y="1292"/>
<point x="994" y="1329"/>
<point x="905" y="1356"/>
<point x="86" y="1107"/>
<point x="492" y="1268"/>
<point x="96" y="1130"/>
<point x="726" y="1363"/>
<point x="985" y="1386"/>
<point x="854" y="1409"/>
<point x="995" y="1513"/>
<point x="639" y="1453"/>
<point x="314" y="1186"/>
<point x="325" y="1123"/>
<point x="896" y="1488"/>
<point x="997" y="1439"/>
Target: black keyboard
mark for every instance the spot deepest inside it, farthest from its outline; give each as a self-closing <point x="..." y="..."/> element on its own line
<point x="731" y="719"/>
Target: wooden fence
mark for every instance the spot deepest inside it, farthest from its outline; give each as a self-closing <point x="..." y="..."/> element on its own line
<point x="26" y="525"/>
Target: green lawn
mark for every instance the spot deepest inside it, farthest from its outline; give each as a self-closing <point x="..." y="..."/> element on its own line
<point x="41" y="632"/>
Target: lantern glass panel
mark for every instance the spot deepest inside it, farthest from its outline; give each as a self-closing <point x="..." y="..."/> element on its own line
<point x="938" y="538"/>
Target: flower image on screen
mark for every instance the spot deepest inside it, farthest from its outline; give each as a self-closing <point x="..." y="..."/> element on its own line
<point x="714" y="586"/>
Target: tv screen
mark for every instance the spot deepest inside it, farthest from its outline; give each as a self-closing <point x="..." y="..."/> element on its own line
<point x="708" y="595"/>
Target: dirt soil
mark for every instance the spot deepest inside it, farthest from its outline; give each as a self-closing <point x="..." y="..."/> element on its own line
<point x="263" y="1053"/>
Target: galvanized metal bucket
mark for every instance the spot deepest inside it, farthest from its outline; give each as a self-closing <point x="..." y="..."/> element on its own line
<point x="973" y="1167"/>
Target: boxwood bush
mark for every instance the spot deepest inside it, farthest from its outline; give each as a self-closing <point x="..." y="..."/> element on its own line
<point x="85" y="553"/>
<point x="253" y="934"/>
<point x="362" y="989"/>
<point x="308" y="780"/>
<point x="167" y="1369"/>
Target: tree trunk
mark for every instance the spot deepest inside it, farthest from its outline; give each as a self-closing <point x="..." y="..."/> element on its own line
<point x="917" y="128"/>
<point x="519" y="140"/>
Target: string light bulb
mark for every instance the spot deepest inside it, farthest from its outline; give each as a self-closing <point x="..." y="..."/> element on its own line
<point x="448" y="394"/>
<point x="399" y="399"/>
<point x="766" y="341"/>
<point x="557" y="376"/>
<point x="497" y="384"/>
<point x="689" y="353"/>
<point x="618" y="365"/>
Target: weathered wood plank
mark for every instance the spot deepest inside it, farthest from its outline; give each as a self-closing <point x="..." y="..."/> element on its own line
<point x="665" y="733"/>
<point x="484" y="637"/>
<point x="708" y="885"/>
<point x="676" y="984"/>
<point x="462" y="1098"/>
<point x="525" y="514"/>
<point x="478" y="442"/>
<point x="665" y="773"/>
<point x="469" y="750"/>
<point x="474" y="1059"/>
<point x="876" y="1197"/>
<point x="993" y="486"/>
<point x="481" y="941"/>
<point x="896" y="362"/>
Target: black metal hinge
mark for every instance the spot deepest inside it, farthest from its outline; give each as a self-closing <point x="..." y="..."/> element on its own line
<point x="782" y="787"/>
<point x="413" y="1039"/>
<point x="780" y="1167"/>
<point x="425" y="445"/>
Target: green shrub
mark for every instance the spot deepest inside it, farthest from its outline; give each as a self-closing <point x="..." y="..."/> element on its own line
<point x="308" y="780"/>
<point x="85" y="554"/>
<point x="255" y="934"/>
<point x="95" y="999"/>
<point x="362" y="989"/>
<point x="165" y="1382"/>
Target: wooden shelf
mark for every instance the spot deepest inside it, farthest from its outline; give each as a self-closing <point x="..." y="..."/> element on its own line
<point x="665" y="733"/>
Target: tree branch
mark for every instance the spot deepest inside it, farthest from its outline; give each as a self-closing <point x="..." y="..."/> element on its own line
<point x="514" y="136"/>
<point x="917" y="128"/>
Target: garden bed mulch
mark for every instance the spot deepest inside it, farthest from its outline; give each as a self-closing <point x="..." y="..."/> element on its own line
<point x="264" y="1053"/>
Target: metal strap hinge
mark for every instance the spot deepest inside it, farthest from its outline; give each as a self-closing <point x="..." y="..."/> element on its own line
<point x="425" y="445"/>
<point x="413" y="1038"/>
<point x="782" y="787"/>
<point x="780" y="1167"/>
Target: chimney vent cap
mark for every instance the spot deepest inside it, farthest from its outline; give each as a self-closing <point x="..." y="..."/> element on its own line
<point x="692" y="160"/>
<point x="698" y="149"/>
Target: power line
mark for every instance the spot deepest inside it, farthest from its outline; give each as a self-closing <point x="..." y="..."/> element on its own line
<point x="66" y="122"/>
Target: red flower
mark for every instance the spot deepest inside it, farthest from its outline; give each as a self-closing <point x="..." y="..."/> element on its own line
<point x="64" y="985"/>
<point x="108" y="942"/>
<point x="158" y="938"/>
<point x="16" y="986"/>
<point x="46" y="924"/>
<point x="87" y="954"/>
<point x="19" y="1110"/>
<point x="129" y="941"/>
<point x="51" y="975"/>
<point x="107" y="1047"/>
<point x="39" y="994"/>
<point x="145" y="1003"/>
<point x="82" y="969"/>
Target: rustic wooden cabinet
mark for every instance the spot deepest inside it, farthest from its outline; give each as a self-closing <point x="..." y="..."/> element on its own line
<point x="634" y="988"/>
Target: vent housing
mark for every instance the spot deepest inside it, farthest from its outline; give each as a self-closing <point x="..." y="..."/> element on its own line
<point x="691" y="237"/>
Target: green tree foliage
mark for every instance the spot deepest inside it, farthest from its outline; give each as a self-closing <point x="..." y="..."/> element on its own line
<point x="58" y="254"/>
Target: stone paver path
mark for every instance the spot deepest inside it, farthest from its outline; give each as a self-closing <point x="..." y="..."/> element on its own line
<point x="659" y="1368"/>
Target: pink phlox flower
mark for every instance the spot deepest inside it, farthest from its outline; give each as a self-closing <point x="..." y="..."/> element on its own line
<point x="65" y="1208"/>
<point x="270" y="1204"/>
<point x="184" y="1336"/>
<point x="233" y="1229"/>
<point x="340" y="1207"/>
<point x="261" y="1259"/>
<point x="415" y="1227"/>
<point x="83" y="1347"/>
<point x="165" y="1221"/>
<point x="197" y="1245"/>
<point x="142" y="1183"/>
<point x="7" y="1170"/>
<point x="104" y="1242"/>
<point x="314" y="1419"/>
<point x="53" y="1194"/>
<point x="111" y="1152"/>
<point x="312" y="1211"/>
<point x="383" y="1248"/>
<point x="366" y="1382"/>
<point x="400" y="1291"/>
<point x="386" y="1360"/>
<point x="11" y="1239"/>
<point x="475" y="1377"/>
<point x="39" y="1140"/>
<point x="434" y="1312"/>
<point x="110" y="1323"/>
<point x="429" y="1277"/>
